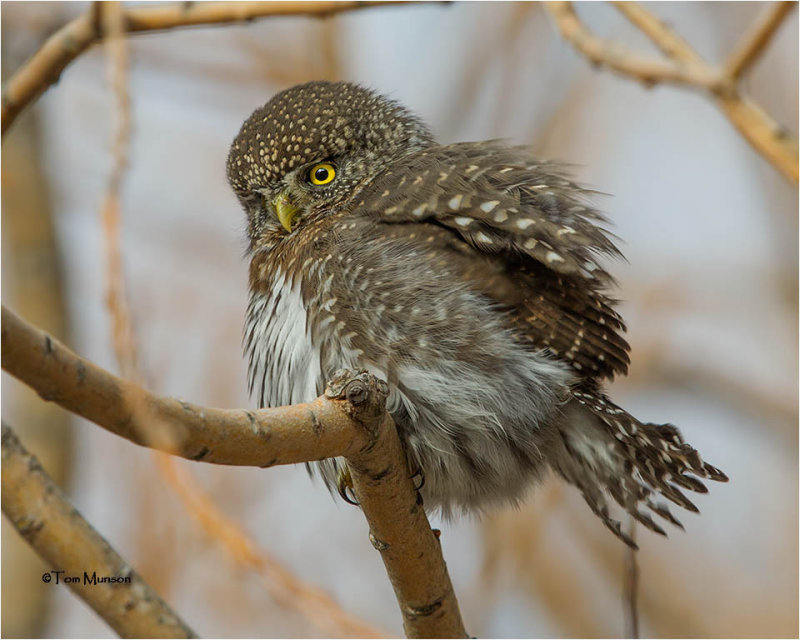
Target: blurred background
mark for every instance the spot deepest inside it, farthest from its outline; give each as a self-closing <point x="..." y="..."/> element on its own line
<point x="709" y="292"/>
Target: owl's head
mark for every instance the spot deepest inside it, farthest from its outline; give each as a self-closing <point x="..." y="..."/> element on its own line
<point x="311" y="149"/>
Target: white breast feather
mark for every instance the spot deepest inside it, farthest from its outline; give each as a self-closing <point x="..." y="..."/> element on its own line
<point x="284" y="364"/>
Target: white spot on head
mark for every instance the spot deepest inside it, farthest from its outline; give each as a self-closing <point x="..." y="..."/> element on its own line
<point x="487" y="207"/>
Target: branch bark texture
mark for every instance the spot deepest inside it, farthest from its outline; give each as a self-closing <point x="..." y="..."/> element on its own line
<point x="262" y="438"/>
<point x="60" y="535"/>
<point x="398" y="526"/>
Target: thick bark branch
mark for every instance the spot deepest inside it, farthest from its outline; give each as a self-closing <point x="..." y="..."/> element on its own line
<point x="399" y="529"/>
<point x="69" y="42"/>
<point x="60" y="535"/>
<point x="350" y="420"/>
<point x="262" y="438"/>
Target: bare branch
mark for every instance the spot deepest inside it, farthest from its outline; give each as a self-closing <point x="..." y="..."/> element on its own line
<point x="604" y="53"/>
<point x="262" y="438"/>
<point x="60" y="535"/>
<point x="756" y="40"/>
<point x="69" y="42"/>
<point x="659" y="33"/>
<point x="396" y="520"/>
<point x="777" y="145"/>
<point x="124" y="340"/>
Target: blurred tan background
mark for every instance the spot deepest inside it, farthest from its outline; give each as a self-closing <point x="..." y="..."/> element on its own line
<point x="710" y="295"/>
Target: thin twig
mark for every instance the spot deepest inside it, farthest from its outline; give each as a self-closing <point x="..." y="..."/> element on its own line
<point x="632" y="584"/>
<point x="645" y="69"/>
<point x="660" y="34"/>
<point x="777" y="145"/>
<point x="68" y="544"/>
<point x="112" y="19"/>
<point x="350" y="420"/>
<point x="69" y="42"/>
<point x="756" y="40"/>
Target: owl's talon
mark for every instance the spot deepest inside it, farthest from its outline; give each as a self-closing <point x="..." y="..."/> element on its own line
<point x="344" y="483"/>
<point x="343" y="492"/>
<point x="421" y="475"/>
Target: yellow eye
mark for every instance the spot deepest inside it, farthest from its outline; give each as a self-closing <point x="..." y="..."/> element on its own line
<point x="322" y="173"/>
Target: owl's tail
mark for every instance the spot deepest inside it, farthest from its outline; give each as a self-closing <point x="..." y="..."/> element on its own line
<point x="603" y="449"/>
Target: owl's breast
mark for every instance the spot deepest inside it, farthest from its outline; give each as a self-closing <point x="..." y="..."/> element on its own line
<point x="283" y="359"/>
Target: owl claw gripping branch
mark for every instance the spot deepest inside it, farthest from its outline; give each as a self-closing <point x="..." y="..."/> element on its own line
<point x="464" y="275"/>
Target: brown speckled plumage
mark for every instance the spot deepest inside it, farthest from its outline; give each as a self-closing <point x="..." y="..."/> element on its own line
<point x="465" y="275"/>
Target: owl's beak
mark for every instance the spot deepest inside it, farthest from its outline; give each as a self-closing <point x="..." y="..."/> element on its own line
<point x="285" y="211"/>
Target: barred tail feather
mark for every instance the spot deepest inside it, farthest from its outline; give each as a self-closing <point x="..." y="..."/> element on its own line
<point x="603" y="450"/>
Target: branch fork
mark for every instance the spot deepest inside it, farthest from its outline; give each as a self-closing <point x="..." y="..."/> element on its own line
<point x="685" y="67"/>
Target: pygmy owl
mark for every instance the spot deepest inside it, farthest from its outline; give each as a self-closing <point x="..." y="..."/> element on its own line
<point x="466" y="276"/>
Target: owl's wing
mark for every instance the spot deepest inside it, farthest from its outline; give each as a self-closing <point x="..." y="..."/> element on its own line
<point x="524" y="213"/>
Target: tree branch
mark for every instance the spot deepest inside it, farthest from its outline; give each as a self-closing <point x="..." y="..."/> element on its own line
<point x="777" y="145"/>
<point x="756" y="40"/>
<point x="670" y="43"/>
<point x="399" y="529"/>
<point x="602" y="52"/>
<point x="69" y="42"/>
<point x="60" y="535"/>
<point x="349" y="420"/>
<point x="262" y="438"/>
<point x="631" y="585"/>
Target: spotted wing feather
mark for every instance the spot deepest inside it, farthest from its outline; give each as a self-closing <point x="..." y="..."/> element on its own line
<point x="499" y="198"/>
